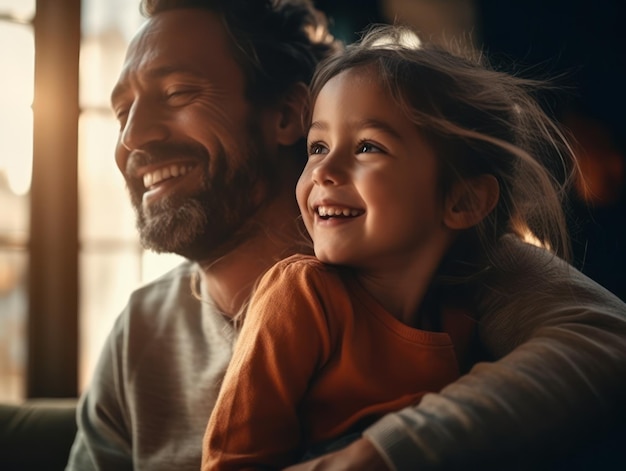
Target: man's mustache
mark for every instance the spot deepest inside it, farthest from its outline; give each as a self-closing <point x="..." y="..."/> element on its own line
<point x="155" y="153"/>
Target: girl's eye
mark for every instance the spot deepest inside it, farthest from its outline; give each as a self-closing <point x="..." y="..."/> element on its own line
<point x="316" y="148"/>
<point x="367" y="147"/>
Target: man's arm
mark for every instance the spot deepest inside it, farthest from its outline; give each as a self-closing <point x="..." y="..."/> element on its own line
<point x="560" y="377"/>
<point x="103" y="440"/>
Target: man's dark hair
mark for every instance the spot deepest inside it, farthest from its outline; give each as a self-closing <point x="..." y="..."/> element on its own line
<point x="276" y="42"/>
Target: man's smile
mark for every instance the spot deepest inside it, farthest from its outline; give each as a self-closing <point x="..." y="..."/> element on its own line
<point x="164" y="180"/>
<point x="165" y="173"/>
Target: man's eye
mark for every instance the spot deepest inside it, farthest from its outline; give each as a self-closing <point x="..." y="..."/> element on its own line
<point x="121" y="115"/>
<point x="178" y="96"/>
<point x="175" y="93"/>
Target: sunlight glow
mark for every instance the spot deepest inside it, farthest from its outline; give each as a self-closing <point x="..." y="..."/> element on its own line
<point x="405" y="39"/>
<point x="21" y="10"/>
<point x="16" y="120"/>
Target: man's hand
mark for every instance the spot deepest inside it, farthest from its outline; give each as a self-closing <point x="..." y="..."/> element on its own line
<point x="358" y="456"/>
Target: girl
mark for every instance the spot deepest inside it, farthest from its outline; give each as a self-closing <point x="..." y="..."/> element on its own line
<point x="419" y="162"/>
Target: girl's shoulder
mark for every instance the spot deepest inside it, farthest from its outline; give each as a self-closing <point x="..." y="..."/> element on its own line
<point x="303" y="263"/>
<point x="305" y="270"/>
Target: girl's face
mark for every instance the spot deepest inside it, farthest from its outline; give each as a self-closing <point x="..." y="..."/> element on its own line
<point x="368" y="194"/>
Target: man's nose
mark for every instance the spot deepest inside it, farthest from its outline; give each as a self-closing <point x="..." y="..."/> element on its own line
<point x="144" y="124"/>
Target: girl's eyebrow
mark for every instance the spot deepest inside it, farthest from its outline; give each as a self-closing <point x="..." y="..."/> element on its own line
<point x="368" y="123"/>
<point x="371" y="123"/>
<point x="321" y="125"/>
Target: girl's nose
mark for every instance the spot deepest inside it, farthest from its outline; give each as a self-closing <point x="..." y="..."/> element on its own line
<point x="329" y="171"/>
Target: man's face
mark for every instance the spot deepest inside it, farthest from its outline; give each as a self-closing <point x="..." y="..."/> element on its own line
<point x="190" y="146"/>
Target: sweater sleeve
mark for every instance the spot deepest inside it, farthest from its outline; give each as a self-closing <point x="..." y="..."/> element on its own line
<point x="284" y="339"/>
<point x="103" y="440"/>
<point x="559" y="340"/>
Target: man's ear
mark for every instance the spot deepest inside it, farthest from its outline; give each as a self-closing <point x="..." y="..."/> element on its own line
<point x="289" y="123"/>
<point x="470" y="201"/>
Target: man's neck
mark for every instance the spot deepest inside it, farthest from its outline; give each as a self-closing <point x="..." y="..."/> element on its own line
<point x="229" y="281"/>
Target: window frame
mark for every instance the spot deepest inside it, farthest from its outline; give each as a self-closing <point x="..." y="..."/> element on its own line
<point x="53" y="245"/>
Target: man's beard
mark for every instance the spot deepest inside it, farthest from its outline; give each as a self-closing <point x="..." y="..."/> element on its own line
<point x="209" y="224"/>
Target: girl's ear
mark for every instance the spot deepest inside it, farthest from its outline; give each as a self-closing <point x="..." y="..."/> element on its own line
<point x="470" y="201"/>
<point x="289" y="123"/>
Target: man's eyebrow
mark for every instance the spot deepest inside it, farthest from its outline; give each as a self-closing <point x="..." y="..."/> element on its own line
<point x="167" y="70"/>
<point x="158" y="73"/>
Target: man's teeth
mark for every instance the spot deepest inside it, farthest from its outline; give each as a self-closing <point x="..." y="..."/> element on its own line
<point x="174" y="170"/>
<point x="330" y="211"/>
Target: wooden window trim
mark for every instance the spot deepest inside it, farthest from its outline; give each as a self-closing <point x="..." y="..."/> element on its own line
<point x="53" y="244"/>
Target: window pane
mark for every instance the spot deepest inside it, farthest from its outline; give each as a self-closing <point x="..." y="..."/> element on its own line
<point x="16" y="150"/>
<point x="107" y="277"/>
<point x="13" y="307"/>
<point x="101" y="58"/>
<point x="100" y="17"/>
<point x="105" y="209"/>
<point x="16" y="97"/>
<point x="14" y="219"/>
<point x="107" y="27"/>
<point x="18" y="64"/>
<point x="154" y="264"/>
<point x="22" y="9"/>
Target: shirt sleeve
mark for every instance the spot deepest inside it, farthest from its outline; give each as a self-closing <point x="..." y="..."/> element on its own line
<point x="103" y="439"/>
<point x="559" y="340"/>
<point x="284" y="339"/>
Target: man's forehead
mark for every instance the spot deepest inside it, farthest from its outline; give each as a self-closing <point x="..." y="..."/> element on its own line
<point x="189" y="30"/>
<point x="192" y="39"/>
<point x="191" y="42"/>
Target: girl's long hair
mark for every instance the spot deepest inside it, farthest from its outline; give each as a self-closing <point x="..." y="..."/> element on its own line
<point x="479" y="121"/>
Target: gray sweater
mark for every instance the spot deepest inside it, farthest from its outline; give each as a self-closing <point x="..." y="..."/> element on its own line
<point x="160" y="370"/>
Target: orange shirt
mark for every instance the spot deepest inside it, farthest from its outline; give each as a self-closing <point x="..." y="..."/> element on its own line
<point x="317" y="356"/>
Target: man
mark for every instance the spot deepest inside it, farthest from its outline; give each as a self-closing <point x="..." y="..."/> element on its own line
<point x="209" y="103"/>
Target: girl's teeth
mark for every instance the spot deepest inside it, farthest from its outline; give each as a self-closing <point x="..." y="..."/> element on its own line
<point x="330" y="212"/>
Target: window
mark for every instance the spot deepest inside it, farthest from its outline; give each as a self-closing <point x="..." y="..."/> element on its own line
<point x="16" y="130"/>
<point x="69" y="253"/>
